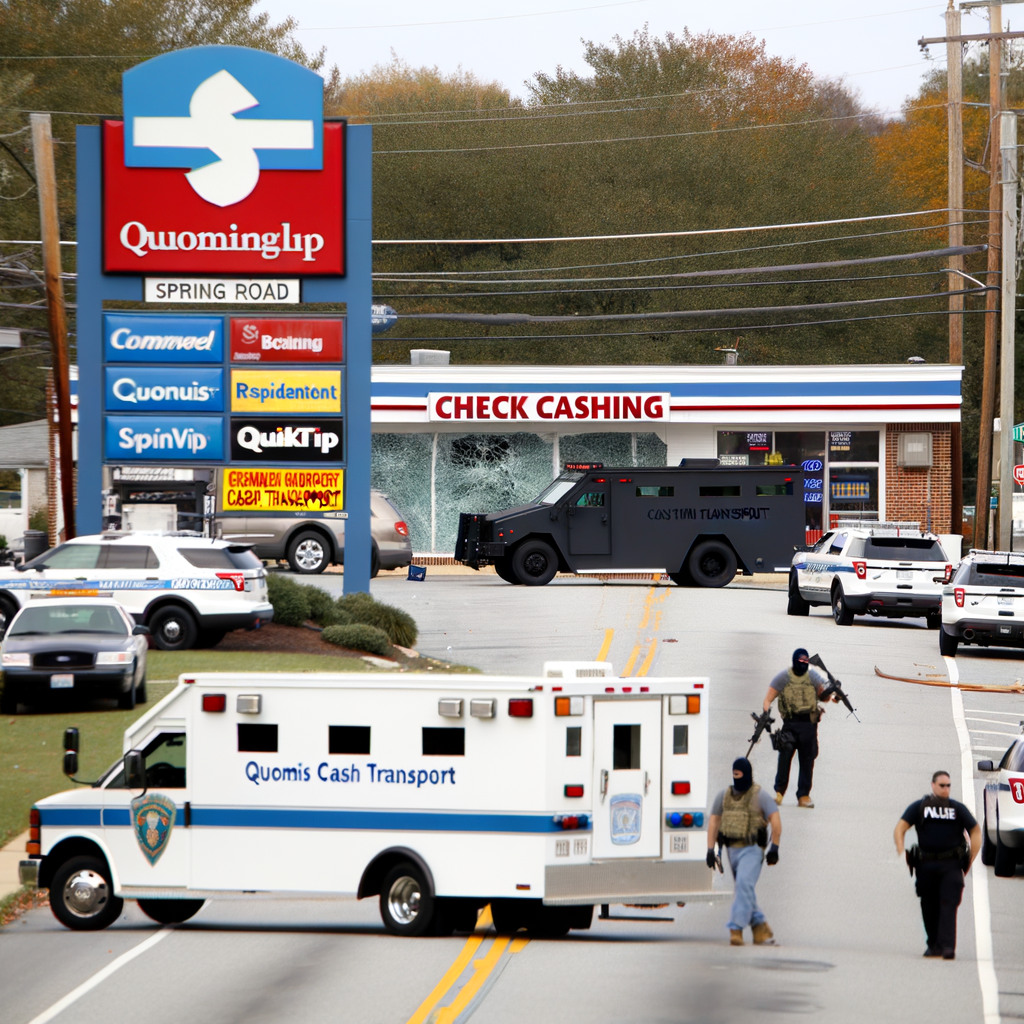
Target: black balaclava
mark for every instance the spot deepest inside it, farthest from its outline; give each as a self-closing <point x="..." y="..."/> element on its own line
<point x="741" y="764"/>
<point x="799" y="661"/>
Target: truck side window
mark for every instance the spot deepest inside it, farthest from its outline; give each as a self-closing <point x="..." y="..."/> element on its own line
<point x="720" y="490"/>
<point x="592" y="499"/>
<point x="655" y="492"/>
<point x="444" y="742"/>
<point x="165" y="763"/>
<point x="680" y="739"/>
<point x="573" y="741"/>
<point x="769" y="490"/>
<point x="348" y="739"/>
<point x="257" y="739"/>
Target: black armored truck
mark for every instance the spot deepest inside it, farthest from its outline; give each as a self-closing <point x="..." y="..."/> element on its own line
<point x="699" y="522"/>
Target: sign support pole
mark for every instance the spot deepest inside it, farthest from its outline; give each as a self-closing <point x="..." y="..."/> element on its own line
<point x="46" y="182"/>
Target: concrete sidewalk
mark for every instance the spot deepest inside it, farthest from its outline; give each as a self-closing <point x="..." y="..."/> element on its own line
<point x="9" y="857"/>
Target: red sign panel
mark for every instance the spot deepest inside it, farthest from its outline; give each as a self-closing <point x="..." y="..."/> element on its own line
<point x="296" y="340"/>
<point x="291" y="223"/>
<point x="1017" y="790"/>
<point x="1018" y="475"/>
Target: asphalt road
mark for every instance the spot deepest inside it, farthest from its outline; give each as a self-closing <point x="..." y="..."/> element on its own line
<point x="848" y="930"/>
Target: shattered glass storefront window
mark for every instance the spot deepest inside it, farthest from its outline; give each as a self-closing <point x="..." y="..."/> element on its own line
<point x="625" y="449"/>
<point x="400" y="467"/>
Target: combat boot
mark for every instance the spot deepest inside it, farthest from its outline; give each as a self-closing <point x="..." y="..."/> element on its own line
<point x="778" y="797"/>
<point x="735" y="936"/>
<point x="805" y="801"/>
<point x="763" y="935"/>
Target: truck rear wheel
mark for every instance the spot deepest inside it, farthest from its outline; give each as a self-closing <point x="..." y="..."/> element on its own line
<point x="406" y="906"/>
<point x="712" y="564"/>
<point x="171" y="911"/>
<point x="82" y="896"/>
<point x="534" y="563"/>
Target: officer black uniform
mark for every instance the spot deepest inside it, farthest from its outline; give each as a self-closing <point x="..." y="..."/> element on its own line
<point x="797" y="690"/>
<point x="941" y="858"/>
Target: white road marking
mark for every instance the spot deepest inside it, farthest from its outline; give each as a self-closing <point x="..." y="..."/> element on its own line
<point x="993" y="732"/>
<point x="1002" y="714"/>
<point x="979" y="875"/>
<point x="1001" y="750"/>
<point x="100" y="976"/>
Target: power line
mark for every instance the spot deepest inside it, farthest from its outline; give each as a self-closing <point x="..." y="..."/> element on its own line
<point x="656" y="234"/>
<point x="963" y="250"/>
<point x="634" y="138"/>
<point x="685" y="330"/>
<point x="528" y="318"/>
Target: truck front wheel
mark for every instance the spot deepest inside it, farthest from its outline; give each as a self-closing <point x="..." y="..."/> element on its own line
<point x="503" y="567"/>
<point x="534" y="563"/>
<point x="82" y="896"/>
<point x="712" y="564"/>
<point x="406" y="906"/>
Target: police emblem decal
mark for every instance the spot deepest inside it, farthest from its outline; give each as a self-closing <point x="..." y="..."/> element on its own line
<point x="625" y="815"/>
<point x="153" y="820"/>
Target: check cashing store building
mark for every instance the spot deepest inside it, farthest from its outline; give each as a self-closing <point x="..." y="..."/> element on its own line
<point x="874" y="441"/>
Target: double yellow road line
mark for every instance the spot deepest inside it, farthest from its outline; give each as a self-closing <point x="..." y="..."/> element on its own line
<point x="650" y="614"/>
<point x="430" y="1011"/>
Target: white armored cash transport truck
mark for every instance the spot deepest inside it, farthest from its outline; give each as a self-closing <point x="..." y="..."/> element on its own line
<point x="543" y="797"/>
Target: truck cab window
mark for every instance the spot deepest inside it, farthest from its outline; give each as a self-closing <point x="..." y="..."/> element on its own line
<point x="165" y="763"/>
<point x="592" y="499"/>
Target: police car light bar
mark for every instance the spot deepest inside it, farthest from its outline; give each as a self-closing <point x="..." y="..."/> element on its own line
<point x="892" y="529"/>
<point x="1009" y="557"/>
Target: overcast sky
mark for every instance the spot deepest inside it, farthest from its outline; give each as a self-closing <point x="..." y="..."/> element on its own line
<point x="871" y="44"/>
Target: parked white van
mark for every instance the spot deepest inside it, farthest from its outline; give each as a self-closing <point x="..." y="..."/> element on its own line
<point x="543" y="797"/>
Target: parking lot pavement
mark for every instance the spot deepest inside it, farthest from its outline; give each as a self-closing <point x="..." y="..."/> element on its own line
<point x="840" y="901"/>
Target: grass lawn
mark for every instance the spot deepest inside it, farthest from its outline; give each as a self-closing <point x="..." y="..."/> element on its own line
<point x="31" y="753"/>
<point x="170" y="664"/>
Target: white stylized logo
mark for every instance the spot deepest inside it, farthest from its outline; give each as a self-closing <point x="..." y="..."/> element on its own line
<point x="212" y="125"/>
<point x="250" y="334"/>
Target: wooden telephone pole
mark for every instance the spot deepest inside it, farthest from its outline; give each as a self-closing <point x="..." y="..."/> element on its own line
<point x="46" y="180"/>
<point x="954" y="91"/>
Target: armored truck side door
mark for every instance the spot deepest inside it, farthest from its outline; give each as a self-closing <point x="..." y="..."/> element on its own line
<point x="627" y="778"/>
<point x="589" y="515"/>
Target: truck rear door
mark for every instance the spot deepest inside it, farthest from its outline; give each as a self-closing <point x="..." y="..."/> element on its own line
<point x="589" y="520"/>
<point x="627" y="778"/>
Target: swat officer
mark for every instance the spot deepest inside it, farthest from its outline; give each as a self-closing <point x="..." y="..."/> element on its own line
<point x="739" y="819"/>
<point x="941" y="858"/>
<point x="797" y="690"/>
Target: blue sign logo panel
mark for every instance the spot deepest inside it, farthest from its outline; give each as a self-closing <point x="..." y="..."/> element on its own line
<point x="164" y="389"/>
<point x="216" y="105"/>
<point x="164" y="438"/>
<point x="129" y="338"/>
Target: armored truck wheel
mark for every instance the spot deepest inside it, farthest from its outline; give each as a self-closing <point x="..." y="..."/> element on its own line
<point x="171" y="911"/>
<point x="712" y="564"/>
<point x="797" y="605"/>
<point x="406" y="906"/>
<point x="503" y="567"/>
<point x="534" y="563"/>
<point x="82" y="896"/>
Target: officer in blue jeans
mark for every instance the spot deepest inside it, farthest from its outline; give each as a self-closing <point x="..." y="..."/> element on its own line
<point x="740" y="816"/>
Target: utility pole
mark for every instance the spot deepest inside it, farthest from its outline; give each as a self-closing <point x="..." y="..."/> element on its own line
<point x="46" y="181"/>
<point x="988" y="383"/>
<point x="1008" y="153"/>
<point x="954" y="110"/>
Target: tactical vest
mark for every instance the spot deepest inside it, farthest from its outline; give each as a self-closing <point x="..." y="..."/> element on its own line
<point x="954" y="852"/>
<point x="799" y="696"/>
<point x="741" y="815"/>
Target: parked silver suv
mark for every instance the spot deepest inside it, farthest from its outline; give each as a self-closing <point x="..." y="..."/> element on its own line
<point x="310" y="541"/>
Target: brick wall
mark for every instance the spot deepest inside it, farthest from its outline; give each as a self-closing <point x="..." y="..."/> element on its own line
<point x="907" y="490"/>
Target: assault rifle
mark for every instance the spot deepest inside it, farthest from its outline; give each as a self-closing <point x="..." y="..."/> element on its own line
<point x="764" y="724"/>
<point x="834" y="688"/>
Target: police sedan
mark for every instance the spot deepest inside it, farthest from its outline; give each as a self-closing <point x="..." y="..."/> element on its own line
<point x="984" y="602"/>
<point x="57" y="647"/>
<point x="1002" y="833"/>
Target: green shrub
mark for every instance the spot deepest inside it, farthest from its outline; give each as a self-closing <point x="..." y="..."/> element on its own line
<point x="39" y="520"/>
<point x="399" y="626"/>
<point x="291" y="605"/>
<point x="322" y="609"/>
<point x="3" y="542"/>
<point x="358" y="637"/>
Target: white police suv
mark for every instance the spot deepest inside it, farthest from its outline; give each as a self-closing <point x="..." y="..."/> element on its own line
<point x="189" y="590"/>
<point x="888" y="570"/>
<point x="984" y="602"/>
<point x="1002" y="831"/>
